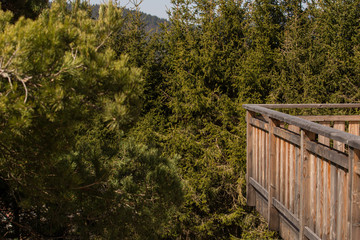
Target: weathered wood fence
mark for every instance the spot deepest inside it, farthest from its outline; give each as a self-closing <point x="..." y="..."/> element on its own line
<point x="303" y="172"/>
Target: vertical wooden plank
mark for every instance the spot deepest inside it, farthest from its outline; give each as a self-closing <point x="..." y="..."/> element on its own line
<point x="286" y="174"/>
<point x="250" y="191"/>
<point x="322" y="139"/>
<point x="354" y="128"/>
<point x="354" y="195"/>
<point x="333" y="200"/>
<point x="256" y="155"/>
<point x="298" y="181"/>
<point x="312" y="193"/>
<point x="326" y="193"/>
<point x="305" y="181"/>
<point x="295" y="173"/>
<point x="263" y="159"/>
<point x="273" y="215"/>
<point x="323" y="191"/>
<point x="345" y="200"/>
<point x="283" y="184"/>
<point x="281" y="170"/>
<point x="292" y="178"/>
<point x="263" y="143"/>
<point x="327" y="200"/>
<point x="339" y="204"/>
<point x="260" y="157"/>
<point x="278" y="152"/>
<point x="339" y="145"/>
<point x="353" y="206"/>
<point x="294" y="129"/>
<point x="268" y="160"/>
<point x="319" y="202"/>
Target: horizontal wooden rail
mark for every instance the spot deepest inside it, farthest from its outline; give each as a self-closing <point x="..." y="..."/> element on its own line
<point x="346" y="138"/>
<point x="332" y="118"/>
<point x="315" y="105"/>
<point x="304" y="176"/>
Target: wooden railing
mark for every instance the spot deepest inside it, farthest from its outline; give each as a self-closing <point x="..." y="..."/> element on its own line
<point x="303" y="172"/>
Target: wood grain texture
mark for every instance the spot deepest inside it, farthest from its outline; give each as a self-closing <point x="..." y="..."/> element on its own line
<point x="327" y="201"/>
<point x="312" y="193"/>
<point x="355" y="197"/>
<point x="339" y="202"/>
<point x="353" y="207"/>
<point x="333" y="201"/>
<point x="296" y="170"/>
<point x="325" y="192"/>
<point x="301" y="106"/>
<point x="287" y="135"/>
<point x="250" y="192"/>
<point x="331" y="118"/>
<point x="256" y="153"/>
<point x="292" y="178"/>
<point x="263" y="146"/>
<point x="273" y="214"/>
<point x="260" y="157"/>
<point x="340" y="125"/>
<point x="286" y="174"/>
<point x="334" y="156"/>
<point x="281" y="170"/>
<point x="319" y="196"/>
<point x="305" y="188"/>
<point x="322" y="139"/>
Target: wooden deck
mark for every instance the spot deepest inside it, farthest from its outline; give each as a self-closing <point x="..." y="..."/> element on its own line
<point x="303" y="172"/>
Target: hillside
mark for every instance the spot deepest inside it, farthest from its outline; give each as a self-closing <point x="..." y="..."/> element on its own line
<point x="152" y="23"/>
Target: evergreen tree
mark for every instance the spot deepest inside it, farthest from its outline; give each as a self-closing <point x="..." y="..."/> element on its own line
<point x="196" y="118"/>
<point x="337" y="28"/>
<point x="67" y="102"/>
<point x="296" y="65"/>
<point x="317" y="58"/>
<point x="264" y="35"/>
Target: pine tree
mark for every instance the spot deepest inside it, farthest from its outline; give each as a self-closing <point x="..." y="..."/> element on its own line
<point x="68" y="168"/>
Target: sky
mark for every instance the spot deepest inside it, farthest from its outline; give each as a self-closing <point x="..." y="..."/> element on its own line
<point x="153" y="7"/>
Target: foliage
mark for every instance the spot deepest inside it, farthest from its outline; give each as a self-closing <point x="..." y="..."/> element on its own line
<point x="196" y="115"/>
<point x="214" y="56"/>
<point x="318" y="54"/>
<point x="87" y="137"/>
<point x="67" y="166"/>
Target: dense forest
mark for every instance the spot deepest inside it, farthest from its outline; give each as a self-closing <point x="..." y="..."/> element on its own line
<point x="109" y="132"/>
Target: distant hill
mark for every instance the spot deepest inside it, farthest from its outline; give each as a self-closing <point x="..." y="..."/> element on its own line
<point x="152" y="22"/>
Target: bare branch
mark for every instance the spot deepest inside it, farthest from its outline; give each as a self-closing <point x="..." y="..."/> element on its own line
<point x="62" y="70"/>
<point x="11" y="58"/>
<point x="26" y="91"/>
<point x="86" y="186"/>
<point x="104" y="41"/>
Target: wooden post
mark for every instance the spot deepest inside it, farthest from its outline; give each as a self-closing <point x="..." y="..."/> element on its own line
<point x="354" y="194"/>
<point x="305" y="181"/>
<point x="250" y="191"/>
<point x="273" y="214"/>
